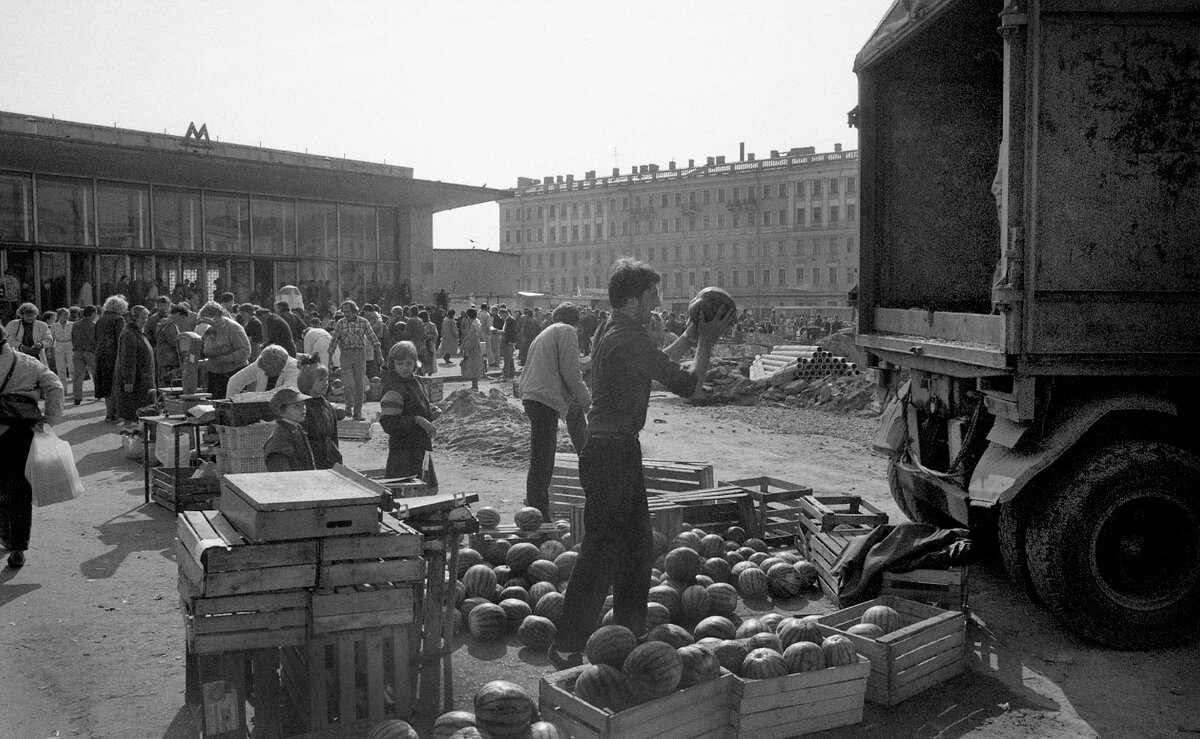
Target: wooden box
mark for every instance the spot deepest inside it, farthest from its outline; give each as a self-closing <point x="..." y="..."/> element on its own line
<point x="245" y="409"/>
<point x="300" y="505"/>
<point x="776" y="506"/>
<point x="716" y="509"/>
<point x="215" y="559"/>
<point x="236" y="622"/>
<point x="942" y="588"/>
<point x="391" y="554"/>
<point x="927" y="649"/>
<point x="187" y="494"/>
<point x="827" y="512"/>
<point x="661" y="477"/>
<point x="704" y="711"/>
<point x="665" y="518"/>
<point x="350" y="680"/>
<point x="802" y="703"/>
<point x="823" y="549"/>
<point x="351" y="430"/>
<point x="363" y="606"/>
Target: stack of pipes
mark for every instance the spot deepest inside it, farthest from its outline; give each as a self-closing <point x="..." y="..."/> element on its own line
<point x="799" y="362"/>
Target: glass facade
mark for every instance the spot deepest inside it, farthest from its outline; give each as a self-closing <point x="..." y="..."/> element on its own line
<point x="316" y="229"/>
<point x="64" y="211"/>
<point x="273" y="226"/>
<point x="177" y="215"/>
<point x="226" y="223"/>
<point x="123" y="212"/>
<point x="16" y="207"/>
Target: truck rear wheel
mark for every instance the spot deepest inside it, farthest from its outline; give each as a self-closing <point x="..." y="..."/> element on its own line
<point x="1011" y="525"/>
<point x="1113" y="547"/>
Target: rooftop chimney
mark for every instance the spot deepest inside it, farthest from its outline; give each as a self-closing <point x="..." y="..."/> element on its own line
<point x="560" y="179"/>
<point x="590" y="174"/>
<point x="837" y="147"/>
<point x="720" y="160"/>
<point x="548" y="180"/>
<point x="671" y="165"/>
<point x="742" y="151"/>
<point x="774" y="153"/>
<point x="750" y="157"/>
<point x="616" y="171"/>
<point x="711" y="161"/>
<point x="691" y="163"/>
<point x="653" y="167"/>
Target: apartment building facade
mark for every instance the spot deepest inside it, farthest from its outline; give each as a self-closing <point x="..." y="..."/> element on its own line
<point x="775" y="232"/>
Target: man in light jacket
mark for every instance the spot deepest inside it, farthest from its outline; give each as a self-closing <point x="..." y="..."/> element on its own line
<point x="552" y="387"/>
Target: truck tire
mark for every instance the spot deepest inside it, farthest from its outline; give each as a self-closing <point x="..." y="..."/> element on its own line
<point x="1011" y="523"/>
<point x="914" y="509"/>
<point x="1113" y="547"/>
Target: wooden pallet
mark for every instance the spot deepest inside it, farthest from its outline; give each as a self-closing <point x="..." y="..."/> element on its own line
<point x="801" y="703"/>
<point x="942" y="588"/>
<point x="665" y="518"/>
<point x="776" y="506"/>
<point x="927" y="649"/>
<point x="349" y="678"/>
<point x="703" y="711"/>
<point x="828" y="512"/>
<point x="661" y="476"/>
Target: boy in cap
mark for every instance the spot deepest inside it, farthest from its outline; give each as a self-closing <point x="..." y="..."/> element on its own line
<point x="288" y="448"/>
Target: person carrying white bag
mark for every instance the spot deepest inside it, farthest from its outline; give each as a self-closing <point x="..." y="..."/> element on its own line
<point x="23" y="379"/>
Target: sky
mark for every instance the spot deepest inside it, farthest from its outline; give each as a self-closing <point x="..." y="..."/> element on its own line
<point x="476" y="93"/>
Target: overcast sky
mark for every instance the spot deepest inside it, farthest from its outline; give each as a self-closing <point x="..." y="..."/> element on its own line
<point x="467" y="92"/>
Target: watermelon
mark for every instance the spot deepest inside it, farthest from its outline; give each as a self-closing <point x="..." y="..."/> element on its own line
<point x="808" y="574"/>
<point x="704" y="580"/>
<point x="520" y="556"/>
<point x="771" y="620"/>
<point x="746" y="552"/>
<point x="568" y="541"/>
<point x="752" y="584"/>
<point x="761" y="664"/>
<point x="750" y="627"/>
<point x="733" y="558"/>
<point x="537" y="632"/>
<point x="731" y="546"/>
<point x="488" y="517"/>
<point x="694" y="603"/>
<point x="765" y="640"/>
<point x="543" y="730"/>
<point x="562" y="526"/>
<point x="528" y="519"/>
<point x="610" y="645"/>
<point x="709" y="642"/>
<point x="659" y="544"/>
<point x="656" y="613"/>
<point x="653" y="669"/>
<point x="723" y="598"/>
<point x="668" y="596"/>
<point x="542" y="570"/>
<point x="838" y="651"/>
<point x="885" y="617"/>
<point x="469" y="605"/>
<point x="469" y="732"/>
<point x="479" y="581"/>
<point x="550" y="549"/>
<point x="803" y="656"/>
<point x="795" y="630"/>
<point x="711" y="545"/>
<point x="550" y="606"/>
<point x="565" y="563"/>
<point x="467" y="558"/>
<point x="766" y="564"/>
<point x="735" y="534"/>
<point x="758" y="558"/>
<point x="686" y="540"/>
<point x="504" y="710"/>
<point x="735" y="571"/>
<point x="460" y="593"/>
<point x="683" y="564"/>
<point x="495" y="551"/>
<point x="868" y="631"/>
<point x="496" y="591"/>
<point x="607" y="618"/>
<point x="601" y="685"/>
<point x="450" y="722"/>
<point x="487" y="621"/>
<point x="757" y="545"/>
<point x="672" y="634"/>
<point x="699" y="665"/>
<point x="393" y="728"/>
<point x="717" y="627"/>
<point x="538" y="589"/>
<point x="678" y="585"/>
<point x="510" y="582"/>
<point x="460" y="622"/>
<point x="515" y="610"/>
<point x="718" y="569"/>
<point x="515" y="592"/>
<point x="731" y="654"/>
<point x="789" y="557"/>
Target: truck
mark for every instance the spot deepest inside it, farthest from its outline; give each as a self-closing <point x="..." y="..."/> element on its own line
<point x="1030" y="267"/>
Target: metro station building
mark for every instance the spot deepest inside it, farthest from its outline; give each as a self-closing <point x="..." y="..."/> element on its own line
<point x="87" y="211"/>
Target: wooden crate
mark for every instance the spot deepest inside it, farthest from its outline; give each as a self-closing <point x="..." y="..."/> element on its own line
<point x="716" y="509"/>
<point x="704" y="711"/>
<point x="665" y="518"/>
<point x="505" y="530"/>
<point x="245" y="409"/>
<point x="223" y="690"/>
<point x="350" y="679"/>
<point x="433" y="387"/>
<point x="661" y="476"/>
<point x="391" y="554"/>
<point x="363" y="606"/>
<point x="228" y="623"/>
<point x="828" y="512"/>
<point x="776" y="506"/>
<point x="927" y="649"/>
<point x="216" y="559"/>
<point x="942" y="588"/>
<point x="354" y="430"/>
<point x="802" y="703"/>
<point x="306" y="504"/>
<point x="191" y="494"/>
<point x="823" y="549"/>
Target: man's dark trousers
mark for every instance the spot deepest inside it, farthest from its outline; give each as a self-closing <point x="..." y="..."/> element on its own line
<point x="617" y="548"/>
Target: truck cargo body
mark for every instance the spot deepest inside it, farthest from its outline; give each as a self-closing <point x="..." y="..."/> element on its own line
<point x="1030" y="254"/>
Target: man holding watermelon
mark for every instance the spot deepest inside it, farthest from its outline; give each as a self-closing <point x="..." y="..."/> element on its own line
<point x="617" y="550"/>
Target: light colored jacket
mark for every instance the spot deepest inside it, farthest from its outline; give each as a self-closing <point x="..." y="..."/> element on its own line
<point x="41" y="333"/>
<point x="251" y="378"/>
<point x="552" y="375"/>
<point x="34" y="379"/>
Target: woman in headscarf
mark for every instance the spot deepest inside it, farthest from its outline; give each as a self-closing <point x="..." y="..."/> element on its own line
<point x="226" y="347"/>
<point x="133" y="374"/>
<point x="109" y="327"/>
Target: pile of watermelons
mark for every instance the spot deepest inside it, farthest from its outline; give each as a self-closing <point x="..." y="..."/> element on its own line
<point x="503" y="710"/>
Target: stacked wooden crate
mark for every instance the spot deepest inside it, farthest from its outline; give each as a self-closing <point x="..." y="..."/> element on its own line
<point x="514" y="534"/>
<point x="304" y="564"/>
<point x="829" y="523"/>
<point x="716" y="508"/>
<point x="180" y="489"/>
<point x="661" y="476"/>
<point x="776" y="508"/>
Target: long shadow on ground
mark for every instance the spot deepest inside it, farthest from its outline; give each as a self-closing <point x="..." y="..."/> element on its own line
<point x="146" y="528"/>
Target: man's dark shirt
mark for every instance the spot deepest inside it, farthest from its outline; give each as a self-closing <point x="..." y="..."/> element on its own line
<point x="278" y="332"/>
<point x="254" y="330"/>
<point x="624" y="361"/>
<point x="293" y="322"/>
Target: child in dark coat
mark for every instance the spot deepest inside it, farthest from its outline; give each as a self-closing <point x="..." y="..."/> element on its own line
<point x="407" y="417"/>
<point x="288" y="449"/>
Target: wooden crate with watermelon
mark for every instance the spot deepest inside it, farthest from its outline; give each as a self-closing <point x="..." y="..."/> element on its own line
<point x="920" y="645"/>
<point x="703" y="711"/>
<point x="717" y="508"/>
<point x="776" y="507"/>
<point x="665" y="518"/>
<point x="802" y="702"/>
<point x="515" y="534"/>
<point x="662" y="476"/>
<point x="349" y="680"/>
<point x="947" y="589"/>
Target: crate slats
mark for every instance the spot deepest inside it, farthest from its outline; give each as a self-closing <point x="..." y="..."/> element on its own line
<point x="665" y="518"/>
<point x="942" y="588"/>
<point x="801" y="703"/>
<point x="661" y="476"/>
<point x="830" y="511"/>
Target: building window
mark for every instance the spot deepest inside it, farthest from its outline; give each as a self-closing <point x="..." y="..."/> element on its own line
<point x="833" y="214"/>
<point x="734" y="278"/>
<point x="652" y="227"/>
<point x="692" y="198"/>
<point x="664" y="201"/>
<point x="720" y="279"/>
<point x="679" y="198"/>
<point x="816" y="276"/>
<point x="720" y="220"/>
<point x="706" y="223"/>
<point x="749" y="278"/>
<point x="799" y="216"/>
<point x="123" y="214"/>
<point x="539" y="260"/>
<point x="737" y="252"/>
<point x="737" y="194"/>
<point x="800" y="189"/>
<point x="691" y="224"/>
<point x="587" y="232"/>
<point x="707" y="197"/>
<point x="176" y="219"/>
<point x="704" y="251"/>
<point x="850" y="184"/>
<point x="678" y="280"/>
<point x="737" y="219"/>
<point x="851" y="211"/>
<point x="272" y="225"/>
<point x="833" y="186"/>
<point x="704" y="276"/>
<point x="553" y="235"/>
<point x="518" y="235"/>
<point x="783" y="186"/>
<point x="721" y="195"/>
<point x="766" y="278"/>
<point x="766" y="191"/>
<point x="678" y="223"/>
<point x="665" y="223"/>
<point x="691" y="252"/>
<point x="691" y="280"/>
<point x="816" y="214"/>
<point x="849" y="244"/>
<point x="766" y="218"/>
<point x="832" y="276"/>
<point x="574" y="233"/>
<point x="650" y="253"/>
<point x="782" y="217"/>
<point x="587" y="209"/>
<point x="678" y="253"/>
<point x="541" y="235"/>
<point x="782" y="277"/>
<point x="612" y="229"/>
<point x="624" y="228"/>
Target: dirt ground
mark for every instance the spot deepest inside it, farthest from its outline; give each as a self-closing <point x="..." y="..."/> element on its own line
<point x="91" y="640"/>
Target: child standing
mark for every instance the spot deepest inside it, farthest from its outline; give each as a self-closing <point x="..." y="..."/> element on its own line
<point x="288" y="449"/>
<point x="407" y="417"/>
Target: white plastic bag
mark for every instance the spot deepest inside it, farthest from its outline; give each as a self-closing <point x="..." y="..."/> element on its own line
<point x="51" y="469"/>
<point x="164" y="446"/>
